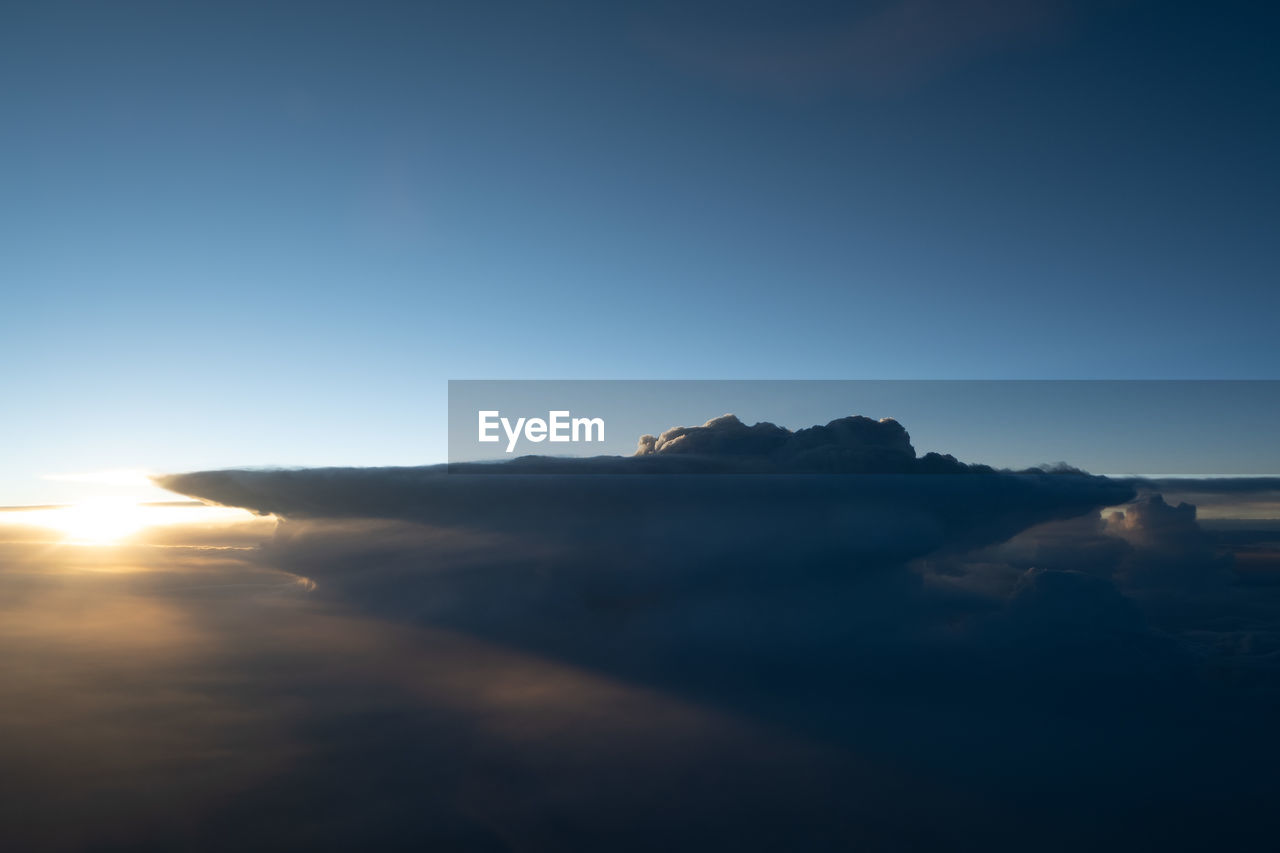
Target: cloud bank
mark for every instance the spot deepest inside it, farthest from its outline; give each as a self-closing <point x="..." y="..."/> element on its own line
<point x="808" y="639"/>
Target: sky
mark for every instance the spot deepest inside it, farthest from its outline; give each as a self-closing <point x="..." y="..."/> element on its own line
<point x="257" y="247"/>
<point x="268" y="234"/>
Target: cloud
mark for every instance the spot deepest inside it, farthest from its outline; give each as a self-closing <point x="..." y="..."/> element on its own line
<point x="1209" y="485"/>
<point x="851" y="445"/>
<point x="1155" y="523"/>
<point x="715" y="538"/>
<point x="1255" y="498"/>
<point x="720" y="490"/>
<point x="1173" y="553"/>
<point x="208" y="707"/>
<point x="805" y="639"/>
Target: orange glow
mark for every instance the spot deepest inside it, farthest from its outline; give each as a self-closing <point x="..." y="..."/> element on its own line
<point x="112" y="520"/>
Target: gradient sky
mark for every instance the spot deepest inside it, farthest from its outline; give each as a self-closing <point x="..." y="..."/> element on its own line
<point x="249" y="233"/>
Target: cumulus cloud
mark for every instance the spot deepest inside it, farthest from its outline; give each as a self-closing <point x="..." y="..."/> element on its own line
<point x="851" y="445"/>
<point x="1172" y="553"/>
<point x="1154" y="523"/>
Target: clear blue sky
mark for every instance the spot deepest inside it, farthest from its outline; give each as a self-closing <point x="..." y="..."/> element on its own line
<point x="267" y="233"/>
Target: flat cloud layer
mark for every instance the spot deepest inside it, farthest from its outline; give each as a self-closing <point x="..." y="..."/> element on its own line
<point x="798" y="495"/>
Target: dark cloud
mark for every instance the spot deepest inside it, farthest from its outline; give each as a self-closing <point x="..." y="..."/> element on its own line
<point x="709" y="583"/>
<point x="205" y="709"/>
<point x="1256" y="499"/>
<point x="848" y="494"/>
<point x="807" y="639"/>
<point x="1209" y="485"/>
<point x="758" y="557"/>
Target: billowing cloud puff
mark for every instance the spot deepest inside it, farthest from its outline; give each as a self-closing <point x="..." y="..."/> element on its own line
<point x="1152" y="522"/>
<point x="1171" y="551"/>
<point x="852" y="445"/>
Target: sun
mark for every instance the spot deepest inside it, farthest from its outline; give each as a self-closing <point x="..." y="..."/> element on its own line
<point x="117" y="520"/>
<point x="98" y="521"/>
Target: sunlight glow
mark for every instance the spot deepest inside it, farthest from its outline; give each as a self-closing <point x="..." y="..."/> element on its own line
<point x="99" y="521"/>
<point x="112" y="520"/>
